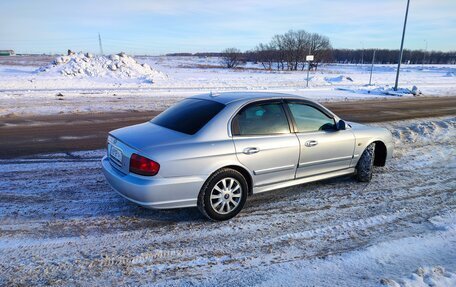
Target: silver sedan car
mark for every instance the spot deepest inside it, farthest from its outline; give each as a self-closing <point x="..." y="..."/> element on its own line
<point x="214" y="150"/>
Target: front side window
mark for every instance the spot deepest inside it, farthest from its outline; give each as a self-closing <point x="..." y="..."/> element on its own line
<point x="261" y="119"/>
<point x="310" y="119"/>
<point x="189" y="115"/>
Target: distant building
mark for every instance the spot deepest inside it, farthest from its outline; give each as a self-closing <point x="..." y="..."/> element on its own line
<point x="7" y="53"/>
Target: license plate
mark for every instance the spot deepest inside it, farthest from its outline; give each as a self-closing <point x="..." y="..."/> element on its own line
<point x="116" y="154"/>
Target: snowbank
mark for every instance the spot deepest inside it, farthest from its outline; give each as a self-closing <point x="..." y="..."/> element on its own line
<point x="338" y="79"/>
<point x="383" y="90"/>
<point x="119" y="66"/>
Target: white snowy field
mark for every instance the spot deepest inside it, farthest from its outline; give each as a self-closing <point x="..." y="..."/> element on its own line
<point x="94" y="85"/>
<point x="61" y="225"/>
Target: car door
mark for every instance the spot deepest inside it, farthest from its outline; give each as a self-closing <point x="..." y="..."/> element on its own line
<point x="323" y="148"/>
<point x="264" y="142"/>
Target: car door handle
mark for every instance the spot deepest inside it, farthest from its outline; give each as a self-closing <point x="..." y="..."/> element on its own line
<point x="251" y="150"/>
<point x="311" y="143"/>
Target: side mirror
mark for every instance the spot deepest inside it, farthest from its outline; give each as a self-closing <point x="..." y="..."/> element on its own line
<point x="341" y="125"/>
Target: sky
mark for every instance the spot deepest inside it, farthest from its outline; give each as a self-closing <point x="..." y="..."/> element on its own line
<point x="155" y="27"/>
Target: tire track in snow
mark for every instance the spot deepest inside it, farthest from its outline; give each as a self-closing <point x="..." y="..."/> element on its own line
<point x="308" y="221"/>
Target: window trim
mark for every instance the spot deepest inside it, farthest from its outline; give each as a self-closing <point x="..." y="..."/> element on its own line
<point x="310" y="104"/>
<point x="259" y="102"/>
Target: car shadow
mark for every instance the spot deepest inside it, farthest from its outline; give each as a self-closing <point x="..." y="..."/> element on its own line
<point x="193" y="214"/>
<point x="167" y="215"/>
<point x="298" y="190"/>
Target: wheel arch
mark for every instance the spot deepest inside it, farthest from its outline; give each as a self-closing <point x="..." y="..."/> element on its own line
<point x="242" y="170"/>
<point x="380" y="153"/>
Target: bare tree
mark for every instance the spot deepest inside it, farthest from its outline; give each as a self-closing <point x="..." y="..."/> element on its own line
<point x="288" y="51"/>
<point x="301" y="50"/>
<point x="266" y="55"/>
<point x="231" y="57"/>
<point x="319" y="47"/>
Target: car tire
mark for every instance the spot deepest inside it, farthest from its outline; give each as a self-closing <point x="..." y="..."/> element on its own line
<point x="226" y="187"/>
<point x="365" y="165"/>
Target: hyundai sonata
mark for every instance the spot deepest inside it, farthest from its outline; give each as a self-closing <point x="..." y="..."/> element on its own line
<point x="214" y="150"/>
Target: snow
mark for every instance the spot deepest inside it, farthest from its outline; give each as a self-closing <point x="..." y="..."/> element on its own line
<point x="61" y="224"/>
<point x="88" y="84"/>
<point x="338" y="79"/>
<point x="359" y="267"/>
<point x="425" y="277"/>
<point x="383" y="90"/>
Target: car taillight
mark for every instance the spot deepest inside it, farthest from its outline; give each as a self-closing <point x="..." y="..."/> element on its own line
<point x="143" y="166"/>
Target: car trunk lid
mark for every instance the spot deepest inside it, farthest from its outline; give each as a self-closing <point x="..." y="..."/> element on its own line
<point x="143" y="137"/>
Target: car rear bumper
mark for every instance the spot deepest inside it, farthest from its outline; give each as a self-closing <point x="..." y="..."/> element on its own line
<point x="156" y="192"/>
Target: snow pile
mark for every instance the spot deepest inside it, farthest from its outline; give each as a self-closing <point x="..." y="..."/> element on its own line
<point x="383" y="91"/>
<point x="338" y="79"/>
<point x="119" y="66"/>
<point x="426" y="132"/>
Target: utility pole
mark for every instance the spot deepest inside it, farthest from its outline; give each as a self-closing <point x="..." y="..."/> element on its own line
<point x="372" y="67"/>
<point x="99" y="42"/>
<point x="402" y="47"/>
<point x="308" y="68"/>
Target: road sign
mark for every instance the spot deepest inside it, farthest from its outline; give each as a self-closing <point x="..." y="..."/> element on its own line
<point x="309" y="58"/>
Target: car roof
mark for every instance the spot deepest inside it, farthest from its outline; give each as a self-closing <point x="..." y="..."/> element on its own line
<point x="229" y="97"/>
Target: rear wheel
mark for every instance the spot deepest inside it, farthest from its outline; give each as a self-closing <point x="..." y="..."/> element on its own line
<point x="223" y="195"/>
<point x="365" y="165"/>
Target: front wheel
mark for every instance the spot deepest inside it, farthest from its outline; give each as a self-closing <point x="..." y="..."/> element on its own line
<point x="223" y="195"/>
<point x="365" y="165"/>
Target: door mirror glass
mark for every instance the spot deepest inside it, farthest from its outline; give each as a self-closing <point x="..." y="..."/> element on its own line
<point x="341" y="125"/>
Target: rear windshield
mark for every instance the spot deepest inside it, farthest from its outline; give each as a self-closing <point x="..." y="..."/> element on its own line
<point x="189" y="115"/>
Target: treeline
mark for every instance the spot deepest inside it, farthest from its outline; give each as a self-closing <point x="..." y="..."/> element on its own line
<point x="357" y="56"/>
<point x="273" y="59"/>
<point x="284" y="52"/>
<point x="288" y="52"/>
<point x="202" y="54"/>
<point x="386" y="56"/>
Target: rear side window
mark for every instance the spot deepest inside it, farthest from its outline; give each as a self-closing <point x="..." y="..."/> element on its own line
<point x="261" y="119"/>
<point x="189" y="115"/>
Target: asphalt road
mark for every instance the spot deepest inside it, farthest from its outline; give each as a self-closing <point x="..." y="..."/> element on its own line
<point x="22" y="136"/>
